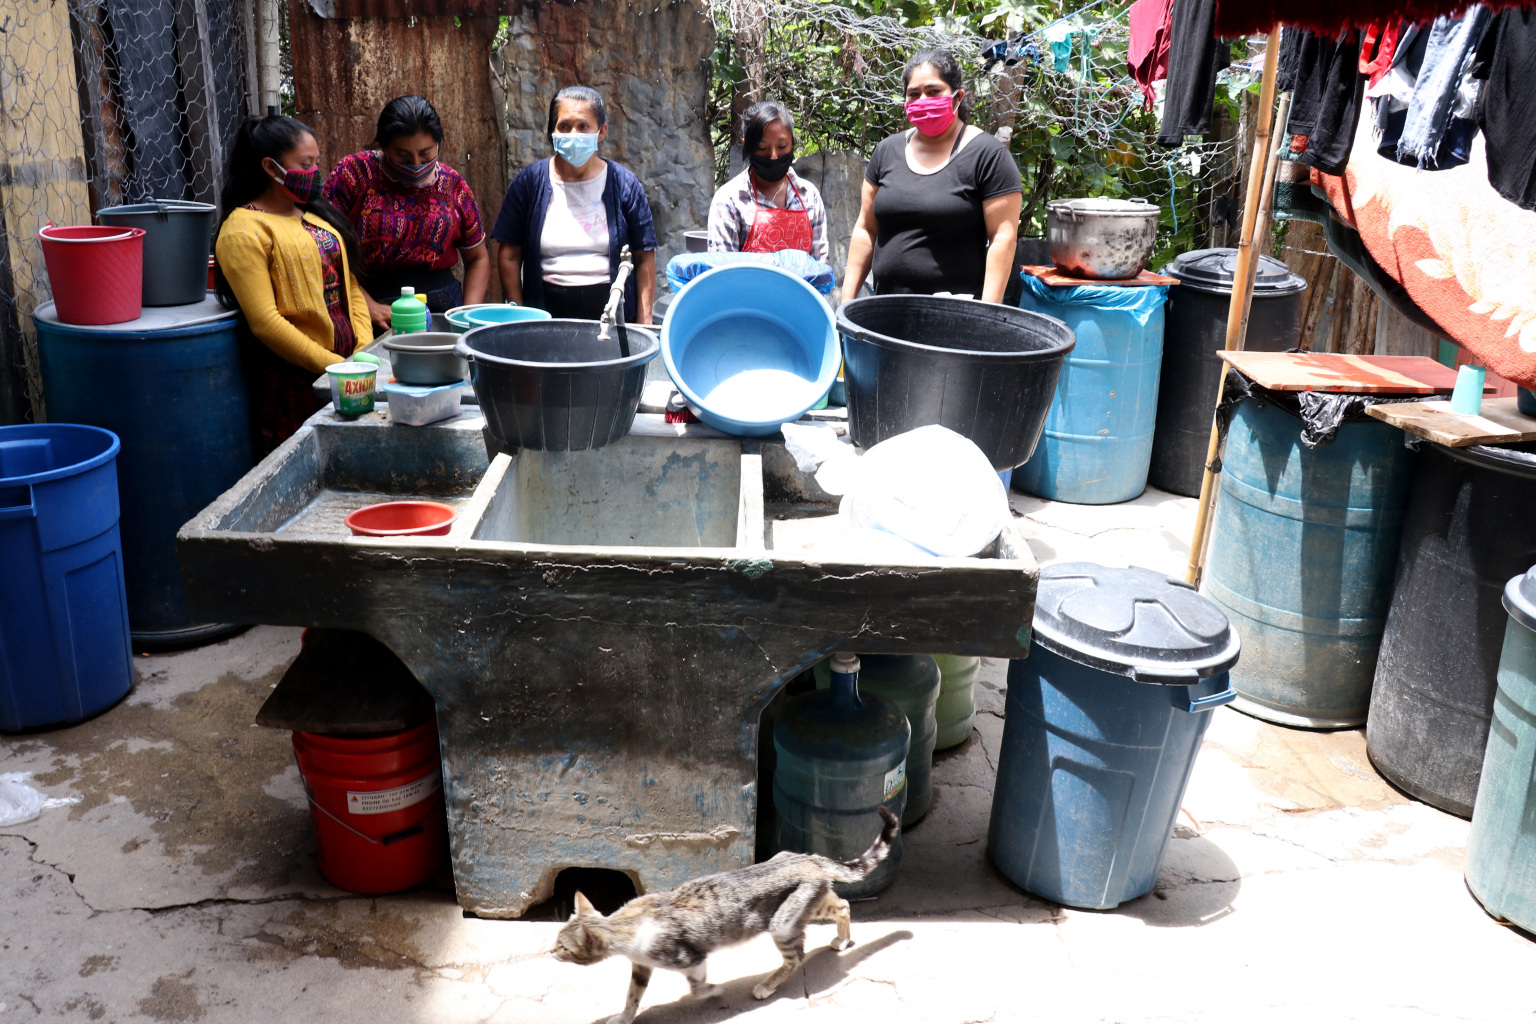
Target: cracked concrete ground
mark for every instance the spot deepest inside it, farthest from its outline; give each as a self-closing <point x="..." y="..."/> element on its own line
<point x="182" y="886"/>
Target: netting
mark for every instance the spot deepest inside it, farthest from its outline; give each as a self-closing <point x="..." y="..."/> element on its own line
<point x="105" y="102"/>
<point x="1058" y="82"/>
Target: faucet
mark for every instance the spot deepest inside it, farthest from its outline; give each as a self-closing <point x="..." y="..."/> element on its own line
<point x="613" y="310"/>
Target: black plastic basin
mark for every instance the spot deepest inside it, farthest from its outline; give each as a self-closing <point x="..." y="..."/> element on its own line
<point x="985" y="371"/>
<point x="551" y="385"/>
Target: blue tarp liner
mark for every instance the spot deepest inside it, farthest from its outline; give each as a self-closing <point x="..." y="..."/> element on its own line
<point x="1140" y="302"/>
<point x="686" y="266"/>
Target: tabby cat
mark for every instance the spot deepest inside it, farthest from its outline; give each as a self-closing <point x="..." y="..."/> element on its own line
<point x="678" y="929"/>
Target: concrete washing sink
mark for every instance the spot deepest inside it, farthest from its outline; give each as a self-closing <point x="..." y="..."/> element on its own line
<point x="600" y="630"/>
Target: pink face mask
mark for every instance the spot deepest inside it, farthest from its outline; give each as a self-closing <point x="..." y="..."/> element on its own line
<point x="932" y="115"/>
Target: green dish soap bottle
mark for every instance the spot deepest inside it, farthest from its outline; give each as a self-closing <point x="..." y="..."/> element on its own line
<point x="840" y="756"/>
<point x="408" y="314"/>
<point x="911" y="682"/>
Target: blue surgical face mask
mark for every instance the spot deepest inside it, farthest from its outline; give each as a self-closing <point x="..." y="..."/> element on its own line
<point x="577" y="147"/>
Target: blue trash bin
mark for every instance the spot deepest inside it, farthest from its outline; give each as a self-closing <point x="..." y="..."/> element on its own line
<point x="1501" y="849"/>
<point x="64" y="652"/>
<point x="1097" y="445"/>
<point x="1103" y="722"/>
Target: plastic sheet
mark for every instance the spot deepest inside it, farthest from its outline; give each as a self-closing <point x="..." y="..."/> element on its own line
<point x="1141" y="302"/>
<point x="1321" y="413"/>
<point x="684" y="267"/>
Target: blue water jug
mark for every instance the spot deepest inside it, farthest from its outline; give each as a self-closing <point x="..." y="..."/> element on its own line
<point x="911" y="682"/>
<point x="1103" y="722"/>
<point x="841" y="756"/>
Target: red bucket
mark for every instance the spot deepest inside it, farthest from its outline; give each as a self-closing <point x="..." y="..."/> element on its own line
<point x="402" y="519"/>
<point x="377" y="805"/>
<point x="97" y="274"/>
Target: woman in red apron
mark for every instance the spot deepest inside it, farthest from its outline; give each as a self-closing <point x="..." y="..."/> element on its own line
<point x="768" y="207"/>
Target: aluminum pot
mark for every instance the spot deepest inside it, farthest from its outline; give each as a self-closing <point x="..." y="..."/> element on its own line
<point x="1104" y="239"/>
<point x="426" y="358"/>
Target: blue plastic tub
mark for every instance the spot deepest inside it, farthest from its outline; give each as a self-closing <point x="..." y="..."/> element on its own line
<point x="64" y="651"/>
<point x="1097" y="445"/>
<point x="489" y="316"/>
<point x="1103" y="723"/>
<point x="172" y="388"/>
<point x="1303" y="548"/>
<point x="750" y="347"/>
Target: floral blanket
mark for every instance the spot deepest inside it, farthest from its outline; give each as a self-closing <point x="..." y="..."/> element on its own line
<point x="1465" y="255"/>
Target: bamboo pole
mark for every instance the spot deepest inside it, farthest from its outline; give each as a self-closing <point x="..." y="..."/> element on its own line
<point x="1242" y="288"/>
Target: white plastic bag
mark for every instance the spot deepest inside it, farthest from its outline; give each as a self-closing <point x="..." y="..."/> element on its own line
<point x="932" y="488"/>
<point x="818" y="445"/>
<point x="20" y="802"/>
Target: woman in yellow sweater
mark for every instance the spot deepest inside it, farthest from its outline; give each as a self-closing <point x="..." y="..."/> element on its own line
<point x="289" y="259"/>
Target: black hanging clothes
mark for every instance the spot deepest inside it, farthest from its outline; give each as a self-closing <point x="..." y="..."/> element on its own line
<point x="1323" y="76"/>
<point x="1506" y="59"/>
<point x="1194" y="57"/>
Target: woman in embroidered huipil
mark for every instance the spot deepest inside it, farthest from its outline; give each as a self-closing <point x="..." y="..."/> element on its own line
<point x="415" y="216"/>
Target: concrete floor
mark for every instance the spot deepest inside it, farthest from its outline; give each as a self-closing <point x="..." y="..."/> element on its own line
<point x="181" y="885"/>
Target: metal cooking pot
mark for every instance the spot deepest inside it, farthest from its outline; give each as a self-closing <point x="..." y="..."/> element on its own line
<point x="1101" y="238"/>
<point x="426" y="358"/>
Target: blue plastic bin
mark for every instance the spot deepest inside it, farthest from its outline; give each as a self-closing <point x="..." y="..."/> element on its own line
<point x="64" y="652"/>
<point x="1303" y="548"/>
<point x="1103" y="723"/>
<point x="750" y="347"/>
<point x="1097" y="445"/>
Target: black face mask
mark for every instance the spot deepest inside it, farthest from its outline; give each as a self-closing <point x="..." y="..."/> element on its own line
<point x="771" y="169"/>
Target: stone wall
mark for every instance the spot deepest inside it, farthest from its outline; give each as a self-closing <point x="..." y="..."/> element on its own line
<point x="650" y="63"/>
<point x="840" y="177"/>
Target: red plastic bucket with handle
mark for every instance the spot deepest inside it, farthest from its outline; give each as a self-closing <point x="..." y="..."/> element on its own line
<point x="96" y="274"/>
<point x="377" y="805"/>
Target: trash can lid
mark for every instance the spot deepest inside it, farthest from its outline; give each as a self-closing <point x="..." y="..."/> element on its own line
<point x="1132" y="622"/>
<point x="1216" y="269"/>
<point x="1520" y="598"/>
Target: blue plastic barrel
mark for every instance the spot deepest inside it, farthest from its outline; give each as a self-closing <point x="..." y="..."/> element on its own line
<point x="1103" y="723"/>
<point x="64" y="653"/>
<point x="1097" y="445"/>
<point x="1302" y="554"/>
<point x="1501" y="850"/>
<point x="171" y="386"/>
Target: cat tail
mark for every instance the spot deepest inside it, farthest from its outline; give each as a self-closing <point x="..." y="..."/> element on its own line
<point x="862" y="865"/>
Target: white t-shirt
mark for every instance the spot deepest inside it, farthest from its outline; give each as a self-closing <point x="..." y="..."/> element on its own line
<point x="574" y="242"/>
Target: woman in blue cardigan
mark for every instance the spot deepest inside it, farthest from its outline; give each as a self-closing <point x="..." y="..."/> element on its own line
<point x="565" y="219"/>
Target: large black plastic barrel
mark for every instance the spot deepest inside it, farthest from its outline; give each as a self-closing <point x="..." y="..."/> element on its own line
<point x="1195" y="329"/>
<point x="1470" y="526"/>
<point x="983" y="370"/>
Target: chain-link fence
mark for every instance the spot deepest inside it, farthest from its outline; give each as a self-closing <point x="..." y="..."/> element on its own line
<point x="102" y="103"/>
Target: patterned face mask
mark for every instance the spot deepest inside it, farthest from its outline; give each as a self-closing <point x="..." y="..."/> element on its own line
<point x="302" y="185"/>
<point x="411" y="174"/>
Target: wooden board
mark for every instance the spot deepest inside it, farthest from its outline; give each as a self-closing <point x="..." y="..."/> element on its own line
<point x="1056" y="279"/>
<point x="1500" y="422"/>
<point x="1329" y="371"/>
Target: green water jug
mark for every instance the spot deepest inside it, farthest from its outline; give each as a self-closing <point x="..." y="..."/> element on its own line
<point x="911" y="682"/>
<point x="841" y="755"/>
<point x="956" y="710"/>
<point x="408" y="314"/>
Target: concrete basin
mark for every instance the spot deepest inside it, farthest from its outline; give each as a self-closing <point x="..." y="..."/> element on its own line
<point x="600" y="630"/>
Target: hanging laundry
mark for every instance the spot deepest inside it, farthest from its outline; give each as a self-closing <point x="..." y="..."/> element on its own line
<point x="1243" y="17"/>
<point x="1444" y="93"/>
<point x="1378" y="44"/>
<point x="1194" y="57"/>
<point x="1323" y="76"/>
<point x="1151" y="26"/>
<point x="1019" y="46"/>
<point x="1059" y="37"/>
<point x="1508" y="120"/>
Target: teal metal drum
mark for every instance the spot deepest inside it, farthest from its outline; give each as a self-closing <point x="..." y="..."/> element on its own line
<point x="1501" y="852"/>
<point x="1301" y="561"/>
<point x="1097" y="444"/>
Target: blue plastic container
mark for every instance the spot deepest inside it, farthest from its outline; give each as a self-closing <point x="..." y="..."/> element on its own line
<point x="1103" y="723"/>
<point x="840" y="756"/>
<point x="64" y="653"/>
<point x="171" y="386"/>
<point x="1303" y="549"/>
<point x="489" y="316"/>
<point x="750" y="347"/>
<point x="1501" y="850"/>
<point x="1097" y="445"/>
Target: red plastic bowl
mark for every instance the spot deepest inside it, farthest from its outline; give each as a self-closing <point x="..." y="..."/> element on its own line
<point x="402" y="519"/>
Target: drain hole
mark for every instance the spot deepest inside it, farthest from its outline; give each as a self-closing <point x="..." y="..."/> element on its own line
<point x="607" y="889"/>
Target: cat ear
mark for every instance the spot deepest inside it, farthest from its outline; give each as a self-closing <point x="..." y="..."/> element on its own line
<point x="584" y="907"/>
